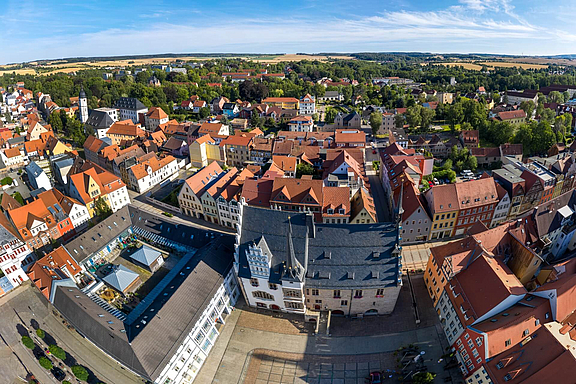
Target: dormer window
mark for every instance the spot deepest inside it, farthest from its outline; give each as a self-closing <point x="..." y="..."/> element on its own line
<point x="330" y="211"/>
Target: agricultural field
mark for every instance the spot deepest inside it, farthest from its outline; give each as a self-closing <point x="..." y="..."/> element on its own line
<point x="477" y="66"/>
<point x="61" y="66"/>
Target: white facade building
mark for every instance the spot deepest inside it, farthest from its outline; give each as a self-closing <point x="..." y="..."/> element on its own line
<point x="150" y="173"/>
<point x="15" y="258"/>
<point x="307" y="105"/>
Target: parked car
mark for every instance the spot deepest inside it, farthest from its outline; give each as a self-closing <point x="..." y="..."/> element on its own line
<point x="58" y="373"/>
<point x="375" y="378"/>
<point x="38" y="353"/>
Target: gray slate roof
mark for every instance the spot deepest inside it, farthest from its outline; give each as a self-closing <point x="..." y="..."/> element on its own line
<point x="145" y="255"/>
<point x="546" y="215"/>
<point x="333" y="255"/>
<point x="120" y="278"/>
<point x="146" y="347"/>
<point x="99" y="119"/>
<point x="129" y="103"/>
<point x="34" y="169"/>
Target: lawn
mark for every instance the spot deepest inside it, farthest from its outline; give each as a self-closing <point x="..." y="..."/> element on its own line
<point x="172" y="198"/>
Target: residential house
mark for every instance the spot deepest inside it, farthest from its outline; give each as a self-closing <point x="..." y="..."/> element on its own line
<point x="307" y="105"/>
<point x="56" y="269"/>
<point x="513" y="117"/>
<point x="35" y="129"/>
<point x="230" y="110"/>
<point x="190" y="196"/>
<point x="154" y="117"/>
<point x="37" y="177"/>
<point x="282" y="102"/>
<point x="217" y="131"/>
<point x="476" y="200"/>
<point x="96" y="183"/>
<point x="470" y="138"/>
<point x="151" y="172"/>
<point x="362" y="208"/>
<point x="514" y="185"/>
<point x="261" y="150"/>
<point x="331" y="96"/>
<point x="92" y="147"/>
<point x="300" y="195"/>
<point x="350" y="138"/>
<point x="15" y="256"/>
<point x="444" y="208"/>
<point x="502" y="209"/>
<point x="100" y="120"/>
<point x="230" y="199"/>
<point x="122" y="131"/>
<point x="35" y="224"/>
<point x="237" y="150"/>
<point x="12" y="158"/>
<point x="350" y="120"/>
<point x="515" y="98"/>
<point x="204" y="151"/>
<point x="413" y="216"/>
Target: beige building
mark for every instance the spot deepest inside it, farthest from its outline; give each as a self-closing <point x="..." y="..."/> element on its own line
<point x="204" y="151"/>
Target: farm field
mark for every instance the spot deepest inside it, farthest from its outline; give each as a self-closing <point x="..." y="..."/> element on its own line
<point x="65" y="67"/>
<point x="477" y="66"/>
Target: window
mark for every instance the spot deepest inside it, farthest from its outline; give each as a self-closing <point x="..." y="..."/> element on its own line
<point x="358" y="294"/>
<point x="262" y="295"/>
<point x="343" y="303"/>
<point x="525" y="333"/>
<point x="537" y="322"/>
<point x="337" y="294"/>
<point x="314" y="292"/>
<point x="254" y="282"/>
<point x="380" y="292"/>
<point x="292" y="305"/>
<point x="507" y="343"/>
<point x="272" y="286"/>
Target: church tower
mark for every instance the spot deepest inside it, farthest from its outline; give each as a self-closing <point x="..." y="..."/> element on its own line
<point x="83" y="106"/>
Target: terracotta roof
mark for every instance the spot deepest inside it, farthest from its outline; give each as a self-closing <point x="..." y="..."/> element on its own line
<point x="509" y="115"/>
<point x="336" y="198"/>
<point x="411" y="201"/>
<point x="205" y="139"/>
<point x="485" y="152"/>
<point x="210" y="128"/>
<point x="498" y="283"/>
<point x="363" y="200"/>
<point x="93" y="144"/>
<point x="8" y="202"/>
<point x="262" y="144"/>
<point x="44" y="271"/>
<point x="349" y="136"/>
<point x="478" y="192"/>
<point x="35" y="146"/>
<point x="280" y="100"/>
<point x="307" y="119"/>
<point x="154" y="163"/>
<point x="23" y="217"/>
<point x="511" y="149"/>
<point x="237" y="140"/>
<point x="257" y="192"/>
<point x="158" y="137"/>
<point x="12" y="152"/>
<point x="470" y="135"/>
<point x="445" y="198"/>
<point x="283" y="164"/>
<point x="200" y="179"/>
<point x="298" y="191"/>
<point x="125" y="130"/>
<point x="107" y="182"/>
<point x="283" y="147"/>
<point x="156" y="113"/>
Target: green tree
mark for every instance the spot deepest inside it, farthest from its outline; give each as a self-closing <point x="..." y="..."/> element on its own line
<point x="330" y="115"/>
<point x="556" y="97"/>
<point x="414" y="116"/>
<point x="426" y="116"/>
<point x="423" y="378"/>
<point x="528" y="107"/>
<point x="304" y="169"/>
<point x="28" y="343"/>
<point x="56" y="122"/>
<point x="101" y="208"/>
<point x="57" y="351"/>
<point x="547" y="115"/>
<point x="454" y="115"/>
<point x="45" y="363"/>
<point x="40" y="332"/>
<point x="375" y="121"/>
<point x="255" y="120"/>
<point x="80" y="372"/>
<point x="399" y="120"/>
<point x="204" y="112"/>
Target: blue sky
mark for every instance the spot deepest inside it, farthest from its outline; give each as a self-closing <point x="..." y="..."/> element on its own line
<point x="50" y="29"/>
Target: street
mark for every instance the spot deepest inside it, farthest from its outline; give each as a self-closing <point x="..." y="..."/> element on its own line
<point x="25" y="304"/>
<point x="380" y="200"/>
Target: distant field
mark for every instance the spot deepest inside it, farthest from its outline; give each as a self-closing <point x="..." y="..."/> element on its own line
<point x="59" y="66"/>
<point x="491" y="64"/>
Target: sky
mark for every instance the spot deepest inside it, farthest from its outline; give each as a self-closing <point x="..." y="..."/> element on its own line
<point x="52" y="29"/>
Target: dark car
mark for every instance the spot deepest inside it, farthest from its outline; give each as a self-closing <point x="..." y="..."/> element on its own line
<point x="38" y="353"/>
<point x="375" y="378"/>
<point x="58" y="373"/>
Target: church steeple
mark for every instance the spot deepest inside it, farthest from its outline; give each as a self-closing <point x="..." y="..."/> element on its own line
<point x="292" y="268"/>
<point x="82" y="106"/>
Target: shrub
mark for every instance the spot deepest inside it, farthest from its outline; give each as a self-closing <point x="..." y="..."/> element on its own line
<point x="28" y="343"/>
<point x="6" y="181"/>
<point x="40" y="333"/>
<point x="80" y="372"/>
<point x="66" y="382"/>
<point x="57" y="351"/>
<point x="45" y="363"/>
<point x="423" y="378"/>
<point x="167" y="214"/>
